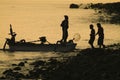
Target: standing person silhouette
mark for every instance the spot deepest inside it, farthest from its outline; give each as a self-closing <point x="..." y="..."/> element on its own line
<point x="92" y="36"/>
<point x="100" y="33"/>
<point x="65" y="26"/>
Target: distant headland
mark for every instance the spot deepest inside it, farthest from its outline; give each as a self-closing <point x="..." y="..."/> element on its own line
<point x="111" y="9"/>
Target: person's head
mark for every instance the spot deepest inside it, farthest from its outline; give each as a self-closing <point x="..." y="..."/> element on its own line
<point x="98" y="25"/>
<point x="91" y="26"/>
<point x="66" y="17"/>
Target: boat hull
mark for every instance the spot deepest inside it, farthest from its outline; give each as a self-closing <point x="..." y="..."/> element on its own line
<point x="42" y="47"/>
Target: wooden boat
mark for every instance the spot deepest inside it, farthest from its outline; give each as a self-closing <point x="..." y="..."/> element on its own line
<point x="28" y="46"/>
<point x="22" y="45"/>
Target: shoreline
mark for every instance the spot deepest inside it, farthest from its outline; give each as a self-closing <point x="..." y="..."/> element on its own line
<point x="91" y="64"/>
<point x="108" y="12"/>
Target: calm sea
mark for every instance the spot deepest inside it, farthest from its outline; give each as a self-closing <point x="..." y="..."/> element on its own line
<point x="30" y="20"/>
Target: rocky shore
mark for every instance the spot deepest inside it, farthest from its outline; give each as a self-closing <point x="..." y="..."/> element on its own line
<point x="89" y="64"/>
<point x="109" y="12"/>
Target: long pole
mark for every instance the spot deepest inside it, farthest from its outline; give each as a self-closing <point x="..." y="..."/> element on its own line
<point x="11" y="30"/>
<point x="4" y="45"/>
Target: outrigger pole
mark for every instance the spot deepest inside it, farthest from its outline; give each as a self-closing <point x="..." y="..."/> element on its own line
<point x="4" y="45"/>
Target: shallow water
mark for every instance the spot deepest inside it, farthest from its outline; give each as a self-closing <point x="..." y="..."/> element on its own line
<point x="30" y="20"/>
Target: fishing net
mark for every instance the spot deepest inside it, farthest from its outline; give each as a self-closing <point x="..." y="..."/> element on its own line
<point x="76" y="37"/>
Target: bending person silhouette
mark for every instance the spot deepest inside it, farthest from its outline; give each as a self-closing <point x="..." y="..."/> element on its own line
<point x="65" y="27"/>
<point x="92" y="36"/>
<point x="100" y="33"/>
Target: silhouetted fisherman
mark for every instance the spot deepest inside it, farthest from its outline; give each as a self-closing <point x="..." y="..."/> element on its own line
<point x="13" y="34"/>
<point x="101" y="35"/>
<point x="92" y="36"/>
<point x="13" y="38"/>
<point x="65" y="26"/>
